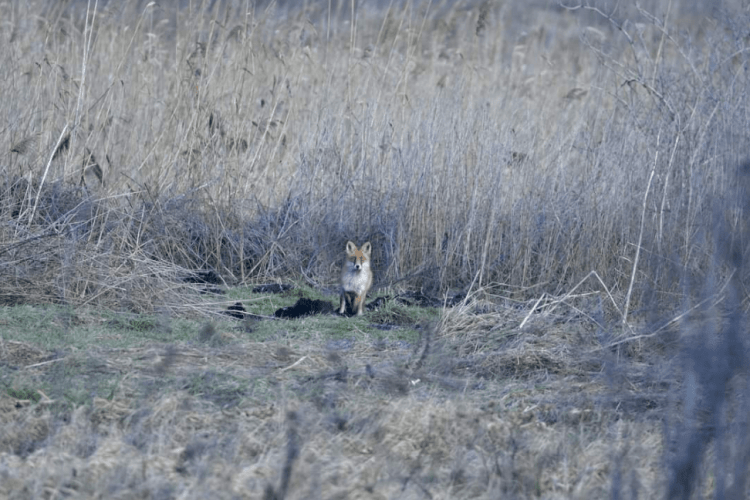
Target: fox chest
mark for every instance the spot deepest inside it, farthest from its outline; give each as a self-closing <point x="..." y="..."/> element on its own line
<point x="355" y="281"/>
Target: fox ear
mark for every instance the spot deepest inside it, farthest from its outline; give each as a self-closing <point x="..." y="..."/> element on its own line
<point x="366" y="248"/>
<point x="350" y="247"/>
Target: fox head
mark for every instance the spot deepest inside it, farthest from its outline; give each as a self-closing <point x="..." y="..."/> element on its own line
<point x="358" y="258"/>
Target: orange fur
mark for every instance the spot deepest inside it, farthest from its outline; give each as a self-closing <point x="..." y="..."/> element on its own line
<point x="356" y="276"/>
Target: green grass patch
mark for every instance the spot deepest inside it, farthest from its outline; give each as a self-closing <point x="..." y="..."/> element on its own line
<point x="266" y="304"/>
<point x="56" y="327"/>
<point x="23" y="392"/>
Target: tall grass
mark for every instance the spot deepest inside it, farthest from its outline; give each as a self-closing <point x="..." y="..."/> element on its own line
<point x="472" y="143"/>
<point x="527" y="151"/>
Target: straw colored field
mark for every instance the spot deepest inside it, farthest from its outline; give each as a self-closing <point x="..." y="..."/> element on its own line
<point x="470" y="406"/>
<point x="520" y="147"/>
<point x="569" y="181"/>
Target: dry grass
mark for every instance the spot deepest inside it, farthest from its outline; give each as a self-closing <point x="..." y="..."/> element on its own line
<point x="477" y="407"/>
<point x="468" y="142"/>
<point x="361" y="422"/>
<point x="576" y="173"/>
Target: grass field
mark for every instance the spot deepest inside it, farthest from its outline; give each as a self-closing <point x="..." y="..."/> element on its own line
<point x="556" y="196"/>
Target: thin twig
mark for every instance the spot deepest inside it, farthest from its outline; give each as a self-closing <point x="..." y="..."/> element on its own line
<point x="640" y="235"/>
<point x="300" y="360"/>
<point x="43" y="363"/>
<point x="46" y="170"/>
<point x="670" y="322"/>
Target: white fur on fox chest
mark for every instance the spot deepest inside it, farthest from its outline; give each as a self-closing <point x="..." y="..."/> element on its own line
<point x="356" y="281"/>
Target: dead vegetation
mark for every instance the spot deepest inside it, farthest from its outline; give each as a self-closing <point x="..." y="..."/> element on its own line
<point x="567" y="180"/>
<point x="458" y="416"/>
<point x="477" y="406"/>
<point x="252" y="144"/>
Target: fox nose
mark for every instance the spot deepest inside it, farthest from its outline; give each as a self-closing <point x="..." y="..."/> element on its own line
<point x="357" y="266"/>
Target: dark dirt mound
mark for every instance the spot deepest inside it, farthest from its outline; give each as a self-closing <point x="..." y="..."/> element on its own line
<point x="421" y="300"/>
<point x="238" y="311"/>
<point x="204" y="277"/>
<point x="305" y="307"/>
<point x="272" y="288"/>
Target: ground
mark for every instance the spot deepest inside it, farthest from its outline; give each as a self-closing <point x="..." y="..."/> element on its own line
<point x="405" y="402"/>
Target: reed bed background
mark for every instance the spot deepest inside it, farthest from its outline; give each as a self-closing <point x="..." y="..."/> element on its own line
<point x="512" y="147"/>
<point x="577" y="172"/>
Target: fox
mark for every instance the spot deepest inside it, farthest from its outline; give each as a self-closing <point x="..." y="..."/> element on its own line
<point x="356" y="277"/>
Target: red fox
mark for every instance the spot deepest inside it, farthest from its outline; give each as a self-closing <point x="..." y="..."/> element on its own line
<point x="356" y="277"/>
